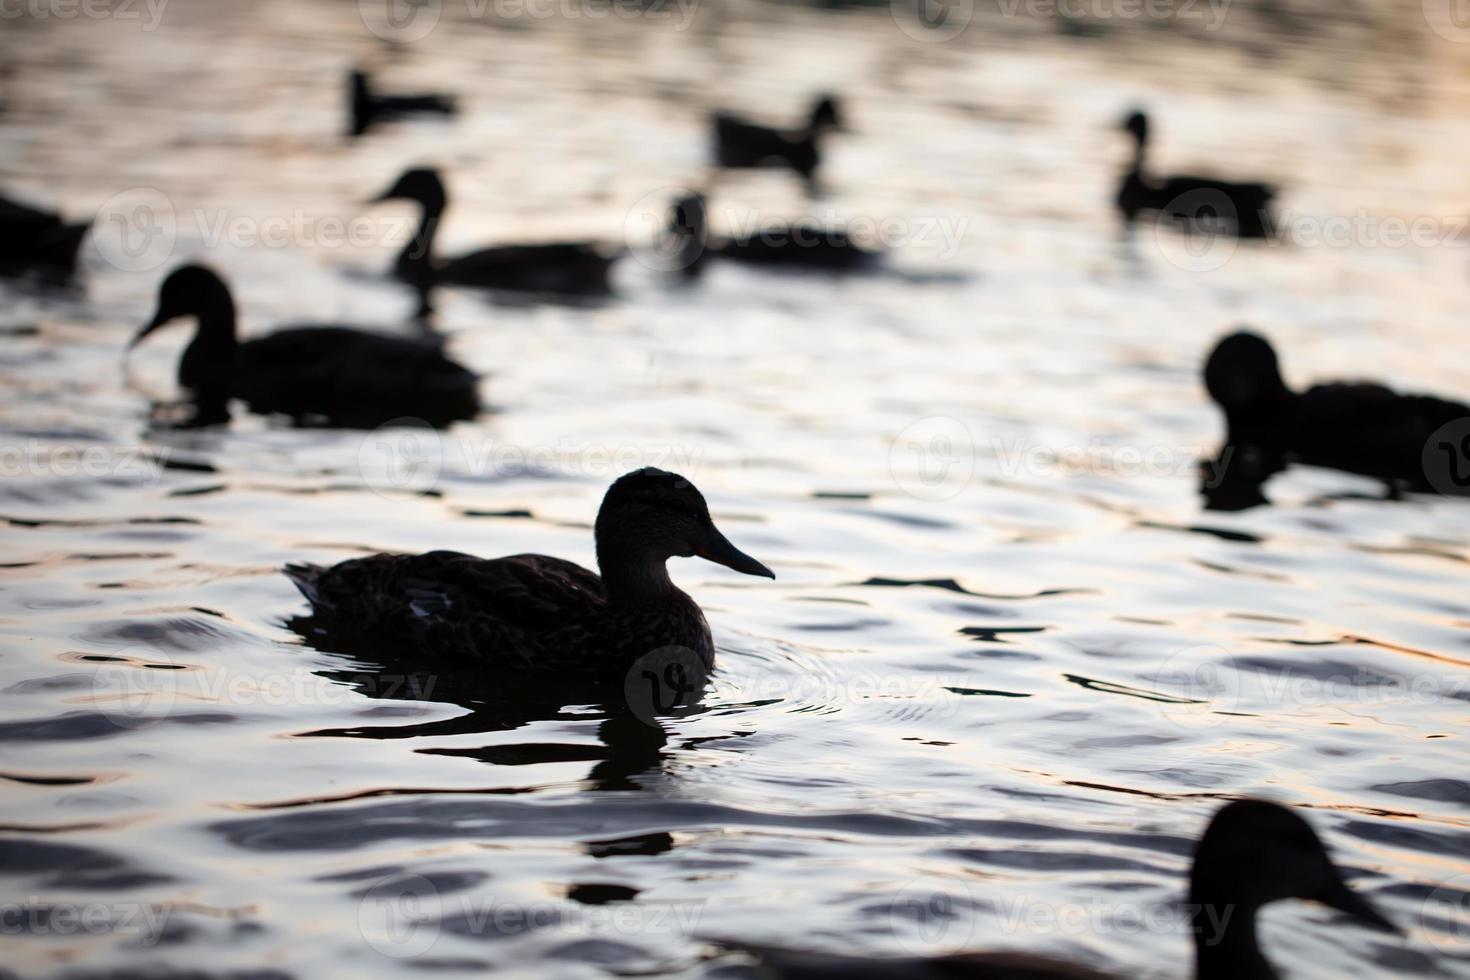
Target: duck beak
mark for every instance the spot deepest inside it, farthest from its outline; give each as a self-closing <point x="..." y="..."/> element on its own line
<point x="1339" y="896"/>
<point x="159" y="319"/>
<point x="719" y="550"/>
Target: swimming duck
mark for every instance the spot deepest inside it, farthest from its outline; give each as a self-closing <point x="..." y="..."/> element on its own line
<point x="537" y="616"/>
<point x="1240" y="209"/>
<point x="790" y="245"/>
<point x="1252" y="853"/>
<point x="1360" y="428"/>
<point x="368" y="107"/>
<point x="38" y="240"/>
<point x="740" y="144"/>
<point x="573" y="269"/>
<point x="346" y="376"/>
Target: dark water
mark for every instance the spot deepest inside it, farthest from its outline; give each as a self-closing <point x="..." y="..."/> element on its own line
<point x="1008" y="666"/>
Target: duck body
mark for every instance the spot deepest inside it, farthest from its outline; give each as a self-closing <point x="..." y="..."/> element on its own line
<point x="575" y="269"/>
<point x="337" y="374"/>
<point x="740" y="144"/>
<point x="1242" y="209"/>
<point x="33" y="239"/>
<point x="367" y="107"/>
<point x="538" y="617"/>
<point x="1252" y="853"/>
<point x="1362" y="428"/>
<point x="787" y="245"/>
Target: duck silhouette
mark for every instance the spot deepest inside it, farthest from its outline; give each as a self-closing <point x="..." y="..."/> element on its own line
<point x="785" y="245"/>
<point x="538" y="616"/>
<point x="1360" y="428"/>
<point x="39" y="241"/>
<point x="334" y="374"/>
<point x="1239" y="209"/>
<point x="1252" y="853"/>
<point x="740" y="144"/>
<point x="576" y="269"/>
<point x="367" y="107"/>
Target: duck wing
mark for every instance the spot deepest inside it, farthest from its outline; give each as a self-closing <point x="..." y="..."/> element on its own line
<point x="1369" y="429"/>
<point x="353" y="376"/>
<point x="561" y="267"/>
<point x="30" y="236"/>
<point x="799" y="245"/>
<point x="454" y="604"/>
<point x="785" y="964"/>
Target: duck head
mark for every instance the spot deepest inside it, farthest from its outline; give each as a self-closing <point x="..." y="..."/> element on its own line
<point x="650" y="516"/>
<point x="421" y="185"/>
<point x="826" y="115"/>
<point x="1136" y="122"/>
<point x="688" y="231"/>
<point x="1243" y="376"/>
<point x="1253" y="853"/>
<point x="197" y="291"/>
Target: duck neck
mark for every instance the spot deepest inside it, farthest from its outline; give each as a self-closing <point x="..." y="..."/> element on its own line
<point x="633" y="578"/>
<point x="1140" y="146"/>
<point x="207" y="368"/>
<point x="1225" y="944"/>
<point x="415" y="262"/>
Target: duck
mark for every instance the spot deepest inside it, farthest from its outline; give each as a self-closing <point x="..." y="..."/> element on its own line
<point x="787" y="245"/>
<point x="741" y="145"/>
<point x="1252" y="853"/>
<point x="569" y="269"/>
<point x="367" y="107"/>
<point x="1239" y="209"/>
<point x="1357" y="427"/>
<point x="41" y="241"/>
<point x="348" y="377"/>
<point x="533" y="616"/>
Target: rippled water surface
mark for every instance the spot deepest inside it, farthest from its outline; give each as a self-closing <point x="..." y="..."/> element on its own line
<point x="1008" y="666"/>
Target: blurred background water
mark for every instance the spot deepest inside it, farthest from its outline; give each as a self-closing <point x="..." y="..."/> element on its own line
<point x="1008" y="665"/>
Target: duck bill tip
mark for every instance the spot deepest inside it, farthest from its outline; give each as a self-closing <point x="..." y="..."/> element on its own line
<point x="1344" y="899"/>
<point x="722" y="552"/>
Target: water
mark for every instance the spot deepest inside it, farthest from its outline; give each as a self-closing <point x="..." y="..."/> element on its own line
<point x="1008" y="667"/>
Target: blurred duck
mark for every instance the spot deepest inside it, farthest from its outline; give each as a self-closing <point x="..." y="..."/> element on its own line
<point x="789" y="245"/>
<point x="537" y="616"/>
<point x="568" y="269"/>
<point x="741" y="145"/>
<point x="36" y="240"/>
<point x="1242" y="210"/>
<point x="340" y="375"/>
<point x="1253" y="853"/>
<point x="1360" y="427"/>
<point x="368" y="107"/>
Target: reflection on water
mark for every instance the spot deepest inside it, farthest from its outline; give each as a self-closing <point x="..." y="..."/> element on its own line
<point x="1008" y="659"/>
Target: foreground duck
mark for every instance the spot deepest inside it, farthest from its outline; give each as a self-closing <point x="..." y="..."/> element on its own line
<point x="567" y="268"/>
<point x="1252" y="854"/>
<point x="740" y="144"/>
<point x="1360" y="428"/>
<point x="533" y="615"/>
<point x="39" y="241"/>
<point x="336" y="374"/>
<point x="786" y="245"/>
<point x="1240" y="209"/>
<point x="366" y="107"/>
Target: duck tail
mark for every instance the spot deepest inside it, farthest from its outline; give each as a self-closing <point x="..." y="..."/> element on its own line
<point x="304" y="577"/>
